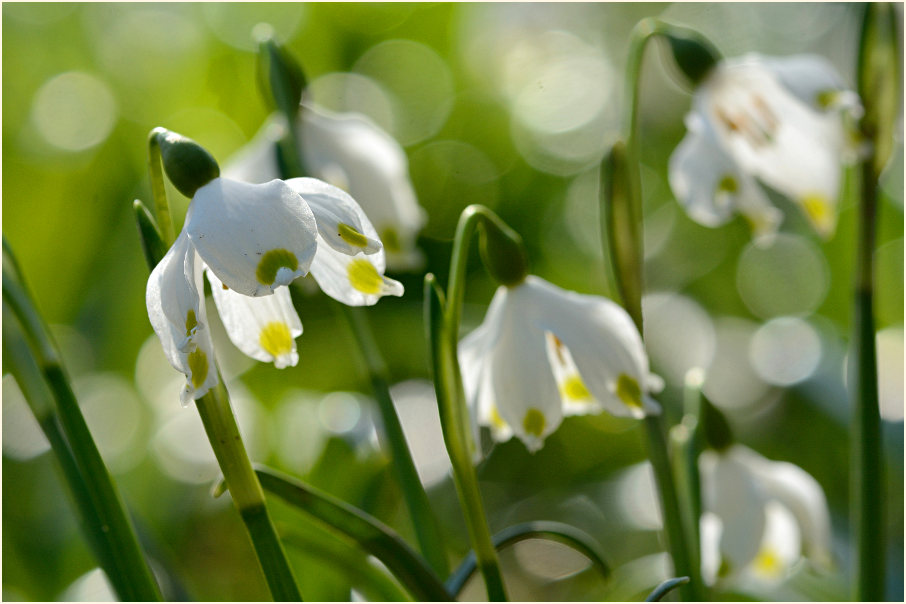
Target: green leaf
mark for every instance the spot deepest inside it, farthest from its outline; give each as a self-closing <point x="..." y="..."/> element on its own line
<point x="368" y="532"/>
<point x="153" y="244"/>
<point x="666" y="587"/>
<point x="553" y="531"/>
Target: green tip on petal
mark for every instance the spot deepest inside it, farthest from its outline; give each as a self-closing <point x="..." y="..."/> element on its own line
<point x="628" y="391"/>
<point x="198" y="365"/>
<point x="271" y="262"/>
<point x="351" y="236"/>
<point x="534" y="422"/>
<point x="187" y="164"/>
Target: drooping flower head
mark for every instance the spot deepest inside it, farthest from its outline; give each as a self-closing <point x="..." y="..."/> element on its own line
<point x="761" y="516"/>
<point x="253" y="240"/>
<point x="543" y="352"/>
<point x="349" y="151"/>
<point x="775" y="121"/>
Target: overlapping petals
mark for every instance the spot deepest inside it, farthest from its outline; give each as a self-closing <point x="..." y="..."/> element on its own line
<point x="780" y="121"/>
<point x="762" y="516"/>
<point x="542" y="353"/>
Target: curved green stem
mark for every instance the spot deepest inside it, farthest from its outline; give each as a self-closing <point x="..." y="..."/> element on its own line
<point x="158" y="188"/>
<point x="666" y="587"/>
<point x="540" y="529"/>
<point x="442" y="343"/>
<point x="92" y="485"/>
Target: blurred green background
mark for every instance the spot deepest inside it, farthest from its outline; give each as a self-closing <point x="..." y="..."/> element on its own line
<point x="508" y="105"/>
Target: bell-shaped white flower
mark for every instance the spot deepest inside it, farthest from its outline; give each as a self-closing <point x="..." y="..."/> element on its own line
<point x="348" y="151"/>
<point x="780" y="121"/>
<point x="255" y="238"/>
<point x="762" y="516"/>
<point x="264" y="328"/>
<point x="175" y="302"/>
<point x="349" y="264"/>
<point x="543" y="352"/>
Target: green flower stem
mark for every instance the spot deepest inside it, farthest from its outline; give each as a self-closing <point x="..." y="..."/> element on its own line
<point x="158" y="189"/>
<point x="666" y="587"/>
<point x="113" y="531"/>
<point x="427" y="530"/>
<point x="443" y="327"/>
<point x="879" y="71"/>
<point x="678" y="542"/>
<point x="223" y="433"/>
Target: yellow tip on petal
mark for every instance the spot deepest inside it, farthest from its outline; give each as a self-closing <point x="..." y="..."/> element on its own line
<point x="819" y="211"/>
<point x="191" y="322"/>
<point x="628" y="391"/>
<point x="364" y="277"/>
<point x="768" y="564"/>
<point x="533" y="423"/>
<point x="273" y="261"/>
<point x="276" y="339"/>
<point x="497" y="421"/>
<point x="574" y="388"/>
<point x="198" y="365"/>
<point x="351" y="236"/>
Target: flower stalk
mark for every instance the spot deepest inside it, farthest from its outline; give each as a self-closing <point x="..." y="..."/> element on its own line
<point x="101" y="506"/>
<point x="158" y="187"/>
<point x="877" y="79"/>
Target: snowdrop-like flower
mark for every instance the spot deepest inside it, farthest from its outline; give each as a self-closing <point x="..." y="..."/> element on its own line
<point x="761" y="516"/>
<point x="543" y="352"/>
<point x="780" y="121"/>
<point x="351" y="152"/>
<point x="254" y="241"/>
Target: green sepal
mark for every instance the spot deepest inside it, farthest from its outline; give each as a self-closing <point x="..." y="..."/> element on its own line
<point x="187" y="164"/>
<point x="879" y="71"/>
<point x="693" y="53"/>
<point x="280" y="77"/>
<point x="715" y="427"/>
<point x="153" y="244"/>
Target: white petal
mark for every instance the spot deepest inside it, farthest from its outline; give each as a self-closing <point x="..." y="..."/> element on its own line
<point x="780" y="546"/>
<point x="710" y="186"/>
<point x="813" y="80"/>
<point x="177" y="314"/>
<point x="264" y="328"/>
<point x="524" y="389"/>
<point x="254" y="237"/>
<point x="341" y="222"/>
<point x="798" y="491"/>
<point x="730" y="492"/>
<point x="256" y="162"/>
<point x="353" y="280"/>
<point x="603" y="341"/>
<point x="350" y="151"/>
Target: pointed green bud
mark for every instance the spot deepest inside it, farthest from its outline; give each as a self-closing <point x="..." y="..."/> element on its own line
<point x="280" y="76"/>
<point x="693" y="53"/>
<point x="716" y="429"/>
<point x="187" y="164"/>
<point x="502" y="251"/>
<point x="152" y="243"/>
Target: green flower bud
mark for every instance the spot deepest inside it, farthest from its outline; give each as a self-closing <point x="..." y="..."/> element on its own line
<point x="502" y="252"/>
<point x="187" y="164"/>
<point x="280" y="77"/>
<point x="694" y="54"/>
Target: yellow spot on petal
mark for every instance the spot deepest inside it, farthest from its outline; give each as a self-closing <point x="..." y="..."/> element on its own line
<point x="273" y="261"/>
<point x="533" y="422"/>
<point x="496" y="420"/>
<point x="364" y="277"/>
<point x="391" y="239"/>
<point x="768" y="564"/>
<point x="819" y="211"/>
<point x="191" y="322"/>
<point x="574" y="388"/>
<point x="351" y="236"/>
<point x="728" y="184"/>
<point x="276" y="339"/>
<point x="628" y="391"/>
<point x="826" y="98"/>
<point x="198" y="365"/>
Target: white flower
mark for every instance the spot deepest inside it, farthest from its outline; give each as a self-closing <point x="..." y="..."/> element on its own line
<point x="254" y="241"/>
<point x="543" y="352"/>
<point x="780" y="121"/>
<point x="351" y="152"/>
<point x="761" y="516"/>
